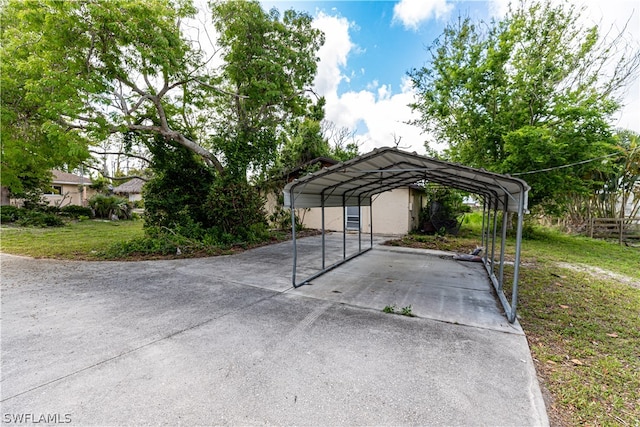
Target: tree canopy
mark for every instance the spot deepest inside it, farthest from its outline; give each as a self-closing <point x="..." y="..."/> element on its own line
<point x="534" y="90"/>
<point x="75" y="72"/>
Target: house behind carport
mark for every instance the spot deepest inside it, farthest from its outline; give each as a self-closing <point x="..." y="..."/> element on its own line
<point x="397" y="211"/>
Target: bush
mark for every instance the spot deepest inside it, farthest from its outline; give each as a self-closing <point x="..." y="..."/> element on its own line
<point x="109" y="206"/>
<point x="40" y="219"/>
<point x="174" y="197"/>
<point x="444" y="211"/>
<point x="75" y="211"/>
<point x="280" y="219"/>
<point x="10" y="214"/>
<point x="235" y="210"/>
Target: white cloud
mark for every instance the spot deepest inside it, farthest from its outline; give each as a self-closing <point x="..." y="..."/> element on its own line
<point x="377" y="112"/>
<point x="411" y="13"/>
<point x="333" y="54"/>
<point x="384" y="116"/>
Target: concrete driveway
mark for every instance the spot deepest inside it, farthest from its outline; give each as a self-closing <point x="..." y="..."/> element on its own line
<point x="226" y="340"/>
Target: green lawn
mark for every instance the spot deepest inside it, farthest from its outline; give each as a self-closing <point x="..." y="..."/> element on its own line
<point x="77" y="240"/>
<point x="583" y="324"/>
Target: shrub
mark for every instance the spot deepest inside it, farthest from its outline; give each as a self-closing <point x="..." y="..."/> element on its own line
<point x="174" y="197"/>
<point x="280" y="219"/>
<point x="235" y="210"/>
<point x="75" y="211"/>
<point x="444" y="211"/>
<point x="10" y="214"/>
<point x="40" y="219"/>
<point x="109" y="206"/>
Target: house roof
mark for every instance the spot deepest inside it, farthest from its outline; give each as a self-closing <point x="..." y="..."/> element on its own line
<point x="353" y="182"/>
<point x="134" y="185"/>
<point x="60" y="177"/>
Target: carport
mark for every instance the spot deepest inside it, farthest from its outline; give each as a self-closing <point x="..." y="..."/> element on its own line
<point x="358" y="181"/>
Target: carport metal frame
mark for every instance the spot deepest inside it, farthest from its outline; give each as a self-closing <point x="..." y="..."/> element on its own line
<point x="355" y="182"/>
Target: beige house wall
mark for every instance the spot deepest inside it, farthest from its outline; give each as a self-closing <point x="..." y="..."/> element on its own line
<point x="394" y="212"/>
<point x="71" y="194"/>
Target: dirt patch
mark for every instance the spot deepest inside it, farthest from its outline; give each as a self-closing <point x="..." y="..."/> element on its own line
<point x="601" y="273"/>
<point x="433" y="242"/>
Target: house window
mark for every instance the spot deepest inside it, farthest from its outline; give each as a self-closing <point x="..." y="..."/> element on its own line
<point x="55" y="190"/>
<point x="353" y="217"/>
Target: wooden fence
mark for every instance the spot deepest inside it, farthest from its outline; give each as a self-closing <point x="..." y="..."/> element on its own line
<point x="623" y="228"/>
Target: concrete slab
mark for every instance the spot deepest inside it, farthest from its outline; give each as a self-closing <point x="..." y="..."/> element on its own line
<point x="433" y="284"/>
<point x="226" y="341"/>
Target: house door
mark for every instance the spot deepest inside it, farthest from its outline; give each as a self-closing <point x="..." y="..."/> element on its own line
<point x="352" y="215"/>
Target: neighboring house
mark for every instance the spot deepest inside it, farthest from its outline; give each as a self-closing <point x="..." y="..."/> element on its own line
<point x="132" y="189"/>
<point x="395" y="212"/>
<point x="68" y="189"/>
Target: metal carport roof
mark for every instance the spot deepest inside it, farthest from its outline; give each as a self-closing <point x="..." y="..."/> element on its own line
<point x="354" y="182"/>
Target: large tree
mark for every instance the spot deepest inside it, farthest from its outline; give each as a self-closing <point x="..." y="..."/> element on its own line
<point x="75" y="72"/>
<point x="535" y="90"/>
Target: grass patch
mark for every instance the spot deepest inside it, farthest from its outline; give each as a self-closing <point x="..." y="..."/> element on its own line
<point x="584" y="337"/>
<point x="116" y="240"/>
<point x="552" y="245"/>
<point x="83" y="240"/>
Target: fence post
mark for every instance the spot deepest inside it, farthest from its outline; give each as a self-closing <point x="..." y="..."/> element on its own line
<point x="621" y="231"/>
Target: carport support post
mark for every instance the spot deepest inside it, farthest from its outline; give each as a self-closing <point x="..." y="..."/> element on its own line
<point x="516" y="267"/>
<point x="344" y="227"/>
<point x="293" y="237"/>
<point x="484" y="210"/>
<point x="322" y="210"/>
<point x="502" y="241"/>
<point x="495" y="232"/>
<point x="371" y="221"/>
<point x="359" y="227"/>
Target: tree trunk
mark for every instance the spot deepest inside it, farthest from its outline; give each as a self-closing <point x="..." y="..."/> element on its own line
<point x="5" y="197"/>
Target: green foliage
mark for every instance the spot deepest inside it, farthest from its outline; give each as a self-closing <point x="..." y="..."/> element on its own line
<point x="10" y="214"/>
<point x="110" y="206"/>
<point x="174" y="197"/>
<point x="407" y="311"/>
<point x="404" y="311"/>
<point x="101" y="184"/>
<point x="280" y="219"/>
<point x="65" y="62"/>
<point x="306" y="144"/>
<point x="34" y="218"/>
<point x="444" y="210"/>
<point x="622" y="181"/>
<point x="270" y="61"/>
<point x="235" y="210"/>
<point x="525" y="93"/>
<point x="75" y="211"/>
<point x="159" y="242"/>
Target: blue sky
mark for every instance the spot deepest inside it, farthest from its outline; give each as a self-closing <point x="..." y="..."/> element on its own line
<point x="370" y="46"/>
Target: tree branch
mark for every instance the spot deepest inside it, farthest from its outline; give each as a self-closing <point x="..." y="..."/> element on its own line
<point x="182" y="140"/>
<point x="117" y="153"/>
